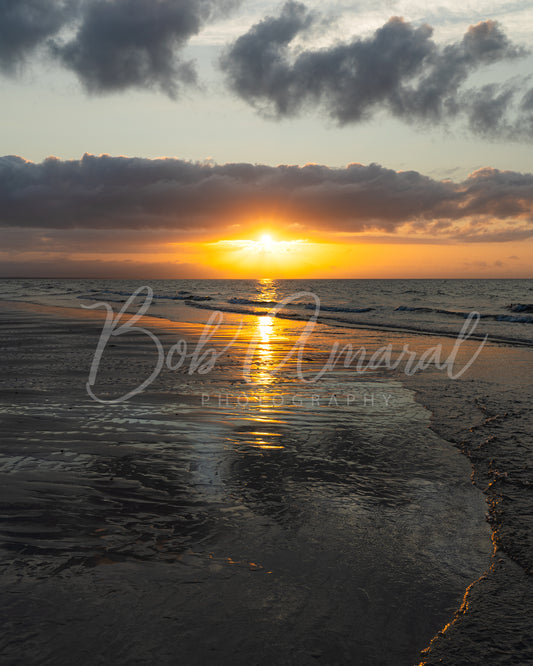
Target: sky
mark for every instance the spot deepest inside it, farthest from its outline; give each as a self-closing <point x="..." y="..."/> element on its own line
<point x="218" y="138"/>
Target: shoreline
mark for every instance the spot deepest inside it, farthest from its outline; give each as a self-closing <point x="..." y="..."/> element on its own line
<point x="493" y="431"/>
<point x="333" y="323"/>
<point x="501" y="573"/>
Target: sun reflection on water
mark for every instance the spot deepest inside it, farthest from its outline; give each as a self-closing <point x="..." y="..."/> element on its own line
<point x="267" y="290"/>
<point x="265" y="333"/>
<point x="265" y="327"/>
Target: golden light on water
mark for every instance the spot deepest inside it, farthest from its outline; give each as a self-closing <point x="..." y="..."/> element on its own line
<point x="265" y="434"/>
<point x="266" y="338"/>
<point x="263" y="356"/>
<point x="264" y="333"/>
<point x="268" y="293"/>
<point x="265" y="327"/>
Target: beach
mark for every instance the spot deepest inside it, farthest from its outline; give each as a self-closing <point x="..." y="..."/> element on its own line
<point x="266" y="333"/>
<point x="492" y="426"/>
<point x="207" y="519"/>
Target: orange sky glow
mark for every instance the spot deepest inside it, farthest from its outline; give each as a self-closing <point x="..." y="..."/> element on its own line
<point x="275" y="255"/>
<point x="110" y="217"/>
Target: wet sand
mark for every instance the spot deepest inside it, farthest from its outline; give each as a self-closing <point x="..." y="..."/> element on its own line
<point x="492" y="426"/>
<point x="168" y="530"/>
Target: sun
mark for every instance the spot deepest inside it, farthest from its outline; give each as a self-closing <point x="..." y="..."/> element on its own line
<point x="267" y="243"/>
<point x="265" y="254"/>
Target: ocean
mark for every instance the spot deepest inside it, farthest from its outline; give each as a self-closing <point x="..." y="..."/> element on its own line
<point x="505" y="307"/>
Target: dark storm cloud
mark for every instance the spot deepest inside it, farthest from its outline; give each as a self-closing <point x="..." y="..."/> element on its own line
<point x="399" y="68"/>
<point x="195" y="199"/>
<point x="133" y="43"/>
<point x="25" y="24"/>
<point x="116" y="44"/>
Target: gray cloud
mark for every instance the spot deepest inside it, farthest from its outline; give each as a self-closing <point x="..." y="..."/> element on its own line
<point x="66" y="267"/>
<point x="399" y="68"/>
<point x="26" y="24"/>
<point x="134" y="43"/>
<point x="257" y="64"/>
<point x="117" y="44"/>
<point x="193" y="200"/>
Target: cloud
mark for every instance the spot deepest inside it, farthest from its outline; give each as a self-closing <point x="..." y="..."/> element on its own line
<point x="399" y="68"/>
<point x="133" y="43"/>
<point x="115" y="45"/>
<point x="257" y="64"/>
<point x="199" y="200"/>
<point x="17" y="241"/>
<point x="26" y="24"/>
<point x="65" y="267"/>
